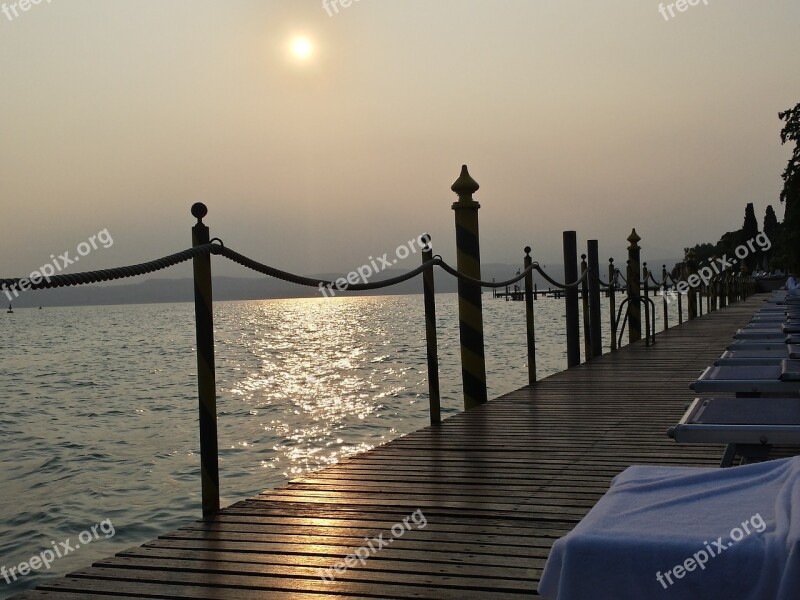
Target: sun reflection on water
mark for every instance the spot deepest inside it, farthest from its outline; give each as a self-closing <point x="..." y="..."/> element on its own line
<point x="314" y="378"/>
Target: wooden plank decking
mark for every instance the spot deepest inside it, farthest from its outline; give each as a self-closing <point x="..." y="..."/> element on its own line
<point x="496" y="486"/>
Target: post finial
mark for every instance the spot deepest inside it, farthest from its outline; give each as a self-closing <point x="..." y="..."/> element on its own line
<point x="634" y="238"/>
<point x="199" y="210"/>
<point x="527" y="250"/>
<point x="465" y="185"/>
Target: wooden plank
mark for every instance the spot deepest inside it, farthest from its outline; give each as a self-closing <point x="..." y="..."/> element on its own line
<point x="496" y="486"/>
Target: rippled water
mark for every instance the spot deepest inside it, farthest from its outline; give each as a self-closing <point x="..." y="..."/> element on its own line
<point x="100" y="410"/>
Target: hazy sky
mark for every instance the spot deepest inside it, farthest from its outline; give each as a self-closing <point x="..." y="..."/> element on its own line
<point x="594" y="116"/>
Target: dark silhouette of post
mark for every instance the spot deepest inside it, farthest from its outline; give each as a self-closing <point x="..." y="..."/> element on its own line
<point x="571" y="298"/>
<point x="664" y="296"/>
<point x="692" y="280"/>
<point x="206" y="378"/>
<point x="530" y="330"/>
<point x="612" y="301"/>
<point x="587" y="333"/>
<point x="681" y="270"/>
<point x="634" y="289"/>
<point x="594" y="298"/>
<point x="430" y="334"/>
<point x="470" y="309"/>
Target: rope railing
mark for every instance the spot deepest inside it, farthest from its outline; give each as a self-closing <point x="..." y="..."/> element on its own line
<point x="89" y="277"/>
<point x="469" y="308"/>
<point x="258" y="267"/>
<point x="600" y="282"/>
<point x="565" y="286"/>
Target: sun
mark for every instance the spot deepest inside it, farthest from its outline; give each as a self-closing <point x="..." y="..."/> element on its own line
<point x="302" y="48"/>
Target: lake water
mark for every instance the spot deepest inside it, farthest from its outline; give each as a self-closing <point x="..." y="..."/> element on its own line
<point x="100" y="405"/>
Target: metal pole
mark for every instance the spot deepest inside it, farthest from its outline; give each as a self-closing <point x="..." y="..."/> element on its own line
<point x="594" y="298"/>
<point x="691" y="280"/>
<point x="612" y="301"/>
<point x="680" y="295"/>
<point x="571" y="298"/>
<point x="430" y="334"/>
<point x="529" y="321"/>
<point x="470" y="308"/>
<point x="634" y="289"/>
<point x="206" y="379"/>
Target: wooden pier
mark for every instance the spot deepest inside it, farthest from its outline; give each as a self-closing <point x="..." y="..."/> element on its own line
<point x="497" y="485"/>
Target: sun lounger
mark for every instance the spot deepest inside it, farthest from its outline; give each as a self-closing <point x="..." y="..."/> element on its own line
<point x="748" y="426"/>
<point x="759" y="334"/>
<point x="776" y="351"/>
<point x="762" y="344"/>
<point x="780" y="380"/>
<point x="685" y="532"/>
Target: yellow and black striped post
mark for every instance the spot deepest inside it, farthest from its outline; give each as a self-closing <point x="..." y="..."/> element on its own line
<point x="530" y="328"/>
<point x="612" y="301"/>
<point x="206" y="378"/>
<point x="470" y="309"/>
<point x="430" y="334"/>
<point x="634" y="289"/>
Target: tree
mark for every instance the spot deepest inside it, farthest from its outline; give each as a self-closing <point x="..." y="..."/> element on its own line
<point x="772" y="229"/>
<point x="770" y="222"/>
<point x="750" y="227"/>
<point x="791" y="188"/>
<point x="703" y="252"/>
<point x="749" y="232"/>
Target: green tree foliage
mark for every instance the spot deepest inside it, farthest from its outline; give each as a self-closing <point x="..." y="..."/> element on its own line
<point x="791" y="188"/>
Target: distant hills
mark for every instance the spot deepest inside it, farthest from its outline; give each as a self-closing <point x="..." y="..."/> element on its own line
<point x="248" y="288"/>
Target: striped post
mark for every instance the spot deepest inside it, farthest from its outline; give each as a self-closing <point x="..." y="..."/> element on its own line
<point x="430" y="335"/>
<point x="206" y="379"/>
<point x="571" y="299"/>
<point x="529" y="320"/>
<point x="594" y="298"/>
<point x="612" y="301"/>
<point x="634" y="289"/>
<point x="470" y="310"/>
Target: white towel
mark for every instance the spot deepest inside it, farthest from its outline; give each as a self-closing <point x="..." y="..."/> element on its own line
<point x="737" y="522"/>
